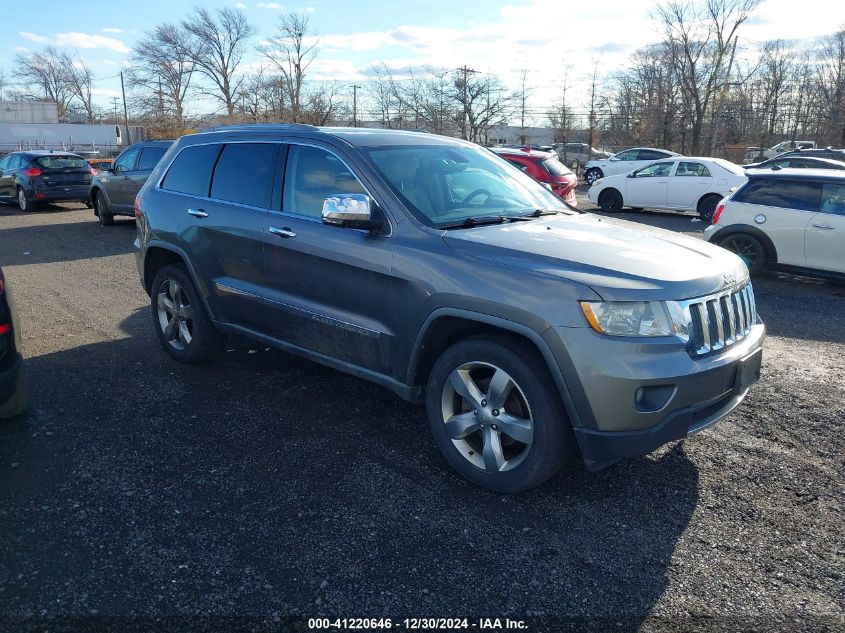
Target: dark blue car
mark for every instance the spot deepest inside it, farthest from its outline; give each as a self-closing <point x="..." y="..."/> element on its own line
<point x="34" y="177"/>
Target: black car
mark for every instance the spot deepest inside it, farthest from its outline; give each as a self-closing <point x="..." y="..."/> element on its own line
<point x="814" y="152"/>
<point x="800" y="161"/>
<point x="37" y="176"/>
<point x="113" y="190"/>
<point x="12" y="388"/>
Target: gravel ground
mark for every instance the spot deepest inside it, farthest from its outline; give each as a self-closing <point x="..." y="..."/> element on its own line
<point x="140" y="494"/>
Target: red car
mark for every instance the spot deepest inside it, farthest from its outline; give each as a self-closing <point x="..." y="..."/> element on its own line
<point x="543" y="167"/>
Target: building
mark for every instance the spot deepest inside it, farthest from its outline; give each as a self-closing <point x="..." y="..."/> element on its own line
<point x="28" y="112"/>
<point x="516" y="135"/>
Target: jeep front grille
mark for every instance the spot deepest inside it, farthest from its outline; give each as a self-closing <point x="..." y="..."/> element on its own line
<point x="720" y="320"/>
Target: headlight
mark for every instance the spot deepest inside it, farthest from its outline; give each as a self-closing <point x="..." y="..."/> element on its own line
<point x="628" y="318"/>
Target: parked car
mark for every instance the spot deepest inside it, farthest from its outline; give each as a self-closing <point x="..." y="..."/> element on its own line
<point x="683" y="184"/>
<point x="113" y="190"/>
<point x="544" y="167"/>
<point x="12" y="384"/>
<point x="34" y="177"/>
<point x="798" y="161"/>
<point x="756" y="154"/>
<point x="792" y="219"/>
<point x="827" y="153"/>
<point x="624" y="162"/>
<point x="425" y="264"/>
<point x="582" y="152"/>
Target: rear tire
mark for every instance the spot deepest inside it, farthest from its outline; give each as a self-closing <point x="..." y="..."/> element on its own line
<point x="102" y="209"/>
<point x="610" y="201"/>
<point x="517" y="440"/>
<point x="25" y="203"/>
<point x="707" y="205"/>
<point x="748" y="248"/>
<point x="179" y="317"/>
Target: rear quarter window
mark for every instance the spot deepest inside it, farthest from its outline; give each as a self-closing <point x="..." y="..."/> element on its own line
<point x="803" y="195"/>
<point x="191" y="170"/>
<point x="556" y="168"/>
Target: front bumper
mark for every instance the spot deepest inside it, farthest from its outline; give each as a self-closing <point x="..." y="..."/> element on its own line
<point x="632" y="396"/>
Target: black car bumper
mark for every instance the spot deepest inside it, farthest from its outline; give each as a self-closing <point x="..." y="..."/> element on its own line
<point x="58" y="194"/>
<point x="13" y="396"/>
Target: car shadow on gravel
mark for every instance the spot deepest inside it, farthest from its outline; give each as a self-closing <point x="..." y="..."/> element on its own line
<point x="264" y="484"/>
<point x="22" y="245"/>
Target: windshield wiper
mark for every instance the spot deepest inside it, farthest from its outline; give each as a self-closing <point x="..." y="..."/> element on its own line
<point x="475" y="220"/>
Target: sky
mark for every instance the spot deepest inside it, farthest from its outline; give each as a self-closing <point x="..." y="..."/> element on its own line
<point x="552" y="39"/>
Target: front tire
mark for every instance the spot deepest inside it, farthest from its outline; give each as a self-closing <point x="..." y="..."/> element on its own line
<point x="102" y="209"/>
<point x="610" y="201"/>
<point x="749" y="249"/>
<point x="181" y="322"/>
<point x="496" y="415"/>
<point x="593" y="174"/>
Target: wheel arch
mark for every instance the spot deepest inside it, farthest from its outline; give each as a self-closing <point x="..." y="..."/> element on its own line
<point x="446" y="326"/>
<point x="753" y="231"/>
<point x="157" y="255"/>
<point x="710" y="194"/>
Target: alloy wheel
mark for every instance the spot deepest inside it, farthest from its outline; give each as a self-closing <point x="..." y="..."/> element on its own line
<point x="22" y="201"/>
<point x="175" y="314"/>
<point x="748" y="251"/>
<point x="487" y="416"/>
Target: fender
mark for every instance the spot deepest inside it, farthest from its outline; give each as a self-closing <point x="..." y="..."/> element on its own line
<point x="166" y="246"/>
<point x="504" y="324"/>
<point x="765" y="240"/>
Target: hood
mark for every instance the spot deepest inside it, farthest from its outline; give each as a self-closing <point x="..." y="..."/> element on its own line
<point x="620" y="260"/>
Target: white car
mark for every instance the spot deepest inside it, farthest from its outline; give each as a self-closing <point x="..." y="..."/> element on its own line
<point x="792" y="218"/>
<point x="623" y="162"/>
<point x="757" y="154"/>
<point x="682" y="184"/>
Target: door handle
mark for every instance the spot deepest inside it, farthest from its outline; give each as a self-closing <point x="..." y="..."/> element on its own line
<point x="127" y="178"/>
<point x="826" y="227"/>
<point x="662" y="182"/>
<point x="197" y="213"/>
<point x="283" y="232"/>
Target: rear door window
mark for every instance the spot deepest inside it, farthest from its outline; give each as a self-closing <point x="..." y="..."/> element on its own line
<point x="244" y="173"/>
<point x="833" y="199"/>
<point x="191" y="170"/>
<point x="150" y="157"/>
<point x="692" y="169"/>
<point x="788" y="194"/>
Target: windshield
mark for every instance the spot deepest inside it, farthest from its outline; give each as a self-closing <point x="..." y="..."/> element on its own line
<point x="57" y="161"/>
<point x="445" y="184"/>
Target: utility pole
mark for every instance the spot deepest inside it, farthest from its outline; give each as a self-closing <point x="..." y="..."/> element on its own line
<point x="466" y="71"/>
<point x="355" y="105"/>
<point x="592" y="108"/>
<point x="125" y="109"/>
<point x="114" y="103"/>
<point x="564" y="116"/>
<point x="160" y="100"/>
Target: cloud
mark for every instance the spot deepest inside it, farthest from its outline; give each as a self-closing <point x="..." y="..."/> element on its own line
<point x="112" y="29"/>
<point x="77" y="40"/>
<point x="105" y="92"/>
<point x="269" y="5"/>
<point x="240" y="5"/>
<point x="21" y="49"/>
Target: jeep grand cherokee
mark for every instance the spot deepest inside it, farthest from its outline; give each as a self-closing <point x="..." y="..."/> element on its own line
<point x="438" y="270"/>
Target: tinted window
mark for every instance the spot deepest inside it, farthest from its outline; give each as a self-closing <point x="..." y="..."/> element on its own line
<point x="191" y="171"/>
<point x="788" y="194"/>
<point x="692" y="169"/>
<point x="650" y="154"/>
<point x="833" y="199"/>
<point x="126" y="161"/>
<point x="150" y="157"/>
<point x="58" y="161"/>
<point x="4" y="162"/>
<point x="630" y="154"/>
<point x="17" y="161"/>
<point x="244" y="173"/>
<point x="658" y="169"/>
<point x="312" y="175"/>
<point x="555" y="167"/>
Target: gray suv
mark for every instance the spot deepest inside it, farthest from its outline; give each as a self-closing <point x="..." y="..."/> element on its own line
<point x="113" y="190"/>
<point x="433" y="267"/>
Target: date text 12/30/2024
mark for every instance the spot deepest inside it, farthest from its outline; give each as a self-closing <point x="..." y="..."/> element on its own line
<point x="417" y="624"/>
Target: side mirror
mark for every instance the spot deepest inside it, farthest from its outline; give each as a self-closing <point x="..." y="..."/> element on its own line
<point x="632" y="175"/>
<point x="350" y="211"/>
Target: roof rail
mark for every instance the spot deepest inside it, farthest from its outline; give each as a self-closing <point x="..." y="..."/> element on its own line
<point x="260" y="126"/>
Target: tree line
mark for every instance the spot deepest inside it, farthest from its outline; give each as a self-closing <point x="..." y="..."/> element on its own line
<point x="694" y="91"/>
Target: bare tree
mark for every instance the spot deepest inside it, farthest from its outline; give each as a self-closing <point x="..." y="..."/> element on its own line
<point x="46" y="72"/>
<point x="292" y="49"/>
<point x="216" y="45"/>
<point x="701" y="38"/>
<point x="483" y="100"/>
<point x="831" y="83"/>
<point x="80" y="82"/>
<point x="163" y="66"/>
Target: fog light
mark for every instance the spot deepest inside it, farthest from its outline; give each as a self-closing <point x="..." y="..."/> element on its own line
<point x="651" y="399"/>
